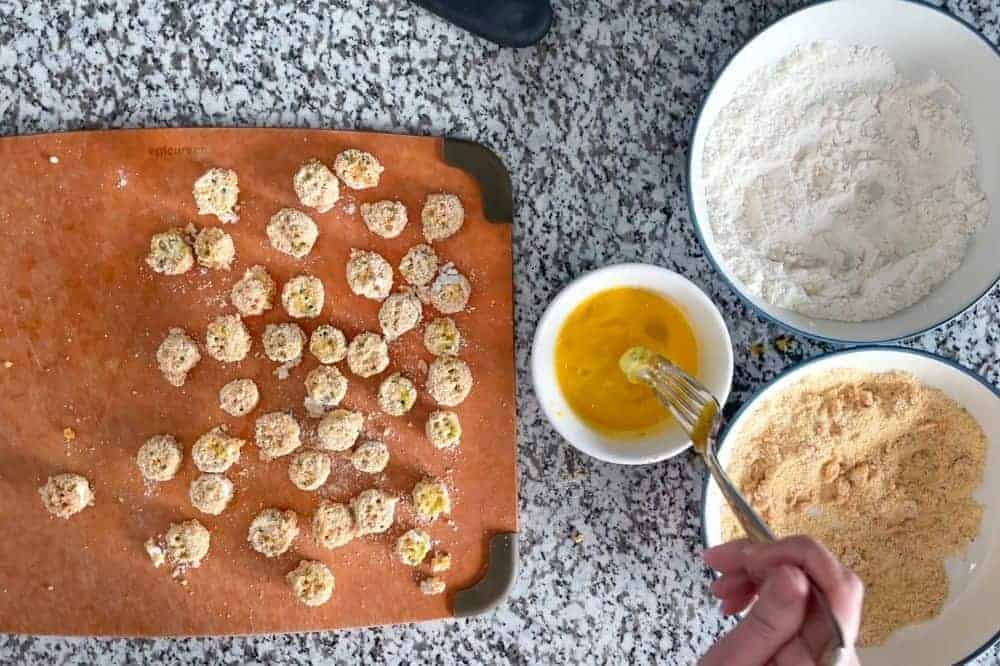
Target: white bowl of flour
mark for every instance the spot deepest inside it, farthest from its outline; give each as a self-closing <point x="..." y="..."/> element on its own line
<point x="844" y="171"/>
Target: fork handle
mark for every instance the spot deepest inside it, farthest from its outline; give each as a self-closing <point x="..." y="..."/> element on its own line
<point x="758" y="532"/>
<point x="751" y="522"/>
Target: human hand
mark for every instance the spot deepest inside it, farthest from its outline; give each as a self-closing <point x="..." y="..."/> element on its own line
<point x="786" y="626"/>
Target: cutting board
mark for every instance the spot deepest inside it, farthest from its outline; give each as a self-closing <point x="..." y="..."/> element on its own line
<point x="82" y="316"/>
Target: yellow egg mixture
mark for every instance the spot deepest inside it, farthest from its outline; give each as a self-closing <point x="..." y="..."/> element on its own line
<point x="594" y="337"/>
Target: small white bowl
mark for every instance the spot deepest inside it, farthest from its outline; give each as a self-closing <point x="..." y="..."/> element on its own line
<point x="968" y="623"/>
<point x="715" y="359"/>
<point x="919" y="38"/>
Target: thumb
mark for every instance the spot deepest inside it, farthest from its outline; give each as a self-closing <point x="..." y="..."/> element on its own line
<point x="773" y="620"/>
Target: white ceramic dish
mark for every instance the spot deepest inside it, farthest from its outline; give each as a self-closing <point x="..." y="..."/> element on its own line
<point x="919" y="38"/>
<point x="969" y="622"/>
<point x="715" y="359"/>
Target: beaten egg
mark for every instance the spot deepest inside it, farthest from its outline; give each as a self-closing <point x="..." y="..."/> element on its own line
<point x="592" y="340"/>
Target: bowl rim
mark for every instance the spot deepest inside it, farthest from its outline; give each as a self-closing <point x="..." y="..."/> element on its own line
<point x="568" y="288"/>
<point x="717" y="264"/>
<point x="707" y="481"/>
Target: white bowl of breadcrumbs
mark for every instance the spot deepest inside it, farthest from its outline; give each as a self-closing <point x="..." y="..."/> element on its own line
<point x="891" y="458"/>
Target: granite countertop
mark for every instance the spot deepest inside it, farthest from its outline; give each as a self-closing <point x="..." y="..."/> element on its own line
<point x="594" y="125"/>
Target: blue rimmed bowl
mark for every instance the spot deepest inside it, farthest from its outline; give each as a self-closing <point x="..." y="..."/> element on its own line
<point x="920" y="38"/>
<point x="968" y="624"/>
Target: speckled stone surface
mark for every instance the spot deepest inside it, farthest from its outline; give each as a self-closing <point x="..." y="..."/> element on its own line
<point x="594" y="125"/>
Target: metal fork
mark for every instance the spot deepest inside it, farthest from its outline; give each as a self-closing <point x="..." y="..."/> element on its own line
<point x="700" y="415"/>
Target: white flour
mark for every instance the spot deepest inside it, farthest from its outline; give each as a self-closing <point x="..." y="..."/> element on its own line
<point x="837" y="188"/>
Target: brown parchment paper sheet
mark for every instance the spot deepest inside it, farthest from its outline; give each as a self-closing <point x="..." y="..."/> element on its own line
<point x="82" y="317"/>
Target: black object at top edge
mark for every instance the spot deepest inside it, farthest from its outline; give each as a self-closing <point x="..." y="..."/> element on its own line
<point x="485" y="166"/>
<point x="515" y="23"/>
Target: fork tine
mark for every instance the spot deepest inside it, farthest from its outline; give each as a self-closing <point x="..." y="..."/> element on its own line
<point x="697" y="387"/>
<point x="679" y="404"/>
<point x="691" y="386"/>
<point x="692" y="401"/>
<point x="685" y="388"/>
